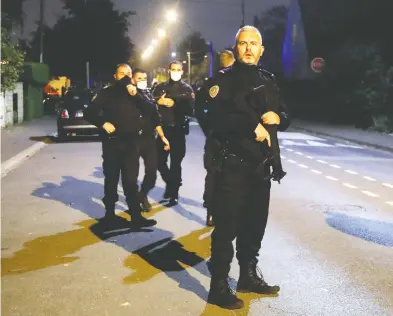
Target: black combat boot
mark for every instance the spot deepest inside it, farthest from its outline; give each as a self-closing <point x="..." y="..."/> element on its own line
<point x="222" y="295"/>
<point x="251" y="280"/>
<point x="138" y="220"/>
<point x="144" y="202"/>
<point x="110" y="212"/>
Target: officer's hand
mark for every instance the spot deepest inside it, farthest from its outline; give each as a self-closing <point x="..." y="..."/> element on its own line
<point x="166" y="143"/>
<point x="131" y="89"/>
<point x="262" y="134"/>
<point x="108" y="127"/>
<point x="167" y="102"/>
<point x="271" y="118"/>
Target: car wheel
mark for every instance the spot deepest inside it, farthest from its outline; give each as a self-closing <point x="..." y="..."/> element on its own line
<point x="61" y="134"/>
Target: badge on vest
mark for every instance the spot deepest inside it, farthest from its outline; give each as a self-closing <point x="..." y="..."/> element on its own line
<point x="213" y="91"/>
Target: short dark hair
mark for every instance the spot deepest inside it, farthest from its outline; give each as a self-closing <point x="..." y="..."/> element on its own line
<point x="176" y="62"/>
<point x="138" y="70"/>
<point x="122" y="65"/>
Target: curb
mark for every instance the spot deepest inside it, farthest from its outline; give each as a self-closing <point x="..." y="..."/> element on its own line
<point x="18" y="159"/>
<point x="353" y="141"/>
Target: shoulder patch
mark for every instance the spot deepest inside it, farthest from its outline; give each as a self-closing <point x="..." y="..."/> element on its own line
<point x="213" y="91"/>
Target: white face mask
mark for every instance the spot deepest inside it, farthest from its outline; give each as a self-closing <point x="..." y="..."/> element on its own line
<point x="141" y="85"/>
<point x="175" y="76"/>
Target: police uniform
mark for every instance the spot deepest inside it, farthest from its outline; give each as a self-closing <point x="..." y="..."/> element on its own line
<point x="175" y="126"/>
<point x="120" y="150"/>
<point x="148" y="148"/>
<point x="211" y="147"/>
<point x="241" y="195"/>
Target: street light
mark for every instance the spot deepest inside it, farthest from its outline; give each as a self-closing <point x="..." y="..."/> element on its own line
<point x="161" y="33"/>
<point x="173" y="54"/>
<point x="171" y="15"/>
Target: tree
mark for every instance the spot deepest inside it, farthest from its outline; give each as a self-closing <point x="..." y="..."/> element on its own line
<point x="199" y="49"/>
<point x="11" y="63"/>
<point x="271" y="24"/>
<point x="12" y="13"/>
<point x="93" y="32"/>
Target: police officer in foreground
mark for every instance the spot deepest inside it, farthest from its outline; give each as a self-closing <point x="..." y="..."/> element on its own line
<point x="175" y="100"/>
<point x="211" y="148"/>
<point x="241" y="195"/>
<point x="147" y="149"/>
<point x="117" y="111"/>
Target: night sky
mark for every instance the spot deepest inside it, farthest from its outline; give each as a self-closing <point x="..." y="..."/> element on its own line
<point x="217" y="20"/>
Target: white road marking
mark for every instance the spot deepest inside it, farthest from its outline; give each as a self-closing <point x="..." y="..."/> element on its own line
<point x="298" y="153"/>
<point x="316" y="171"/>
<point x="388" y="185"/>
<point x="370" y="194"/>
<point x="348" y="185"/>
<point x="369" y="178"/>
<point x="291" y="161"/>
<point x="302" y="166"/>
<point x="289" y="149"/>
<point x="309" y="157"/>
<point x="297" y="136"/>
<point x="321" y="161"/>
<point x="331" y="178"/>
<point x="335" y="166"/>
<point x="318" y="144"/>
<point x="15" y="161"/>
<point x="351" y="172"/>
<point x="390" y="203"/>
<point x="283" y="157"/>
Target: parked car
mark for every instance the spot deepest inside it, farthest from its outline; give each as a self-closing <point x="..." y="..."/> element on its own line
<point x="70" y="119"/>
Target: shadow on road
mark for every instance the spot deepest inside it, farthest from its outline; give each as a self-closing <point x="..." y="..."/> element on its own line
<point x="152" y="250"/>
<point x="380" y="233"/>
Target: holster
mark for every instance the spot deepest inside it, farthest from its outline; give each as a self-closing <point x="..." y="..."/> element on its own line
<point x="219" y="161"/>
<point x="186" y="126"/>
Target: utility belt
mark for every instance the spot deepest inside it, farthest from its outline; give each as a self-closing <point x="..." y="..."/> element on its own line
<point x="185" y="126"/>
<point x="225" y="155"/>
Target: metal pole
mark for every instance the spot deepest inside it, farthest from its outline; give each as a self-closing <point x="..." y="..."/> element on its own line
<point x="87" y="62"/>
<point x="42" y="31"/>
<point x="243" y="13"/>
<point x="189" y="67"/>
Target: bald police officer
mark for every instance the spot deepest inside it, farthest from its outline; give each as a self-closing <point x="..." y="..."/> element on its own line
<point x="239" y="101"/>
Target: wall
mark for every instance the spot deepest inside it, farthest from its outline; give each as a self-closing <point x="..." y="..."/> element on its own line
<point x="7" y="114"/>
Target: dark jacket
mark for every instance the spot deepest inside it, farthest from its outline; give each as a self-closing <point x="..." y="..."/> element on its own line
<point x="235" y="108"/>
<point x="114" y="105"/>
<point x="150" y="118"/>
<point x="183" y="96"/>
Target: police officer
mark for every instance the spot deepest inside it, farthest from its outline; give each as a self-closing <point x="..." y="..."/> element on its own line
<point x="117" y="112"/>
<point x="176" y="100"/>
<point x="147" y="147"/>
<point x="241" y="196"/>
<point x="201" y="112"/>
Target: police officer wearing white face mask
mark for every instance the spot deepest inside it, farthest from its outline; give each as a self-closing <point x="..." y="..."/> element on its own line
<point x="151" y="125"/>
<point x="175" y="100"/>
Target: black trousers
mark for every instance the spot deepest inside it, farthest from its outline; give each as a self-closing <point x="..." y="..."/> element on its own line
<point x="148" y="152"/>
<point x="172" y="174"/>
<point x="120" y="157"/>
<point x="241" y="207"/>
<point x="212" y="150"/>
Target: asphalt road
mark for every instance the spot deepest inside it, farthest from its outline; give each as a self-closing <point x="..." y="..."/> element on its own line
<point x="329" y="242"/>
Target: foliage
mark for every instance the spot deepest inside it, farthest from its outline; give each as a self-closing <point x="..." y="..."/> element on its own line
<point x="93" y="32"/>
<point x="271" y="24"/>
<point x="11" y="62"/>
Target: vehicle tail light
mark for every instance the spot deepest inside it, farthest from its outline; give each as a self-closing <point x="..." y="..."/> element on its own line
<point x="64" y="114"/>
